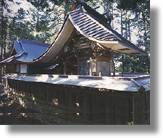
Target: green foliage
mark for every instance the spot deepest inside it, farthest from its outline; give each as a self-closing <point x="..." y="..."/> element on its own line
<point x="136" y="64"/>
<point x="129" y="4"/>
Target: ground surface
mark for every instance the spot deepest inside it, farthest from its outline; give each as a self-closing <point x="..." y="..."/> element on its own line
<point x="12" y="113"/>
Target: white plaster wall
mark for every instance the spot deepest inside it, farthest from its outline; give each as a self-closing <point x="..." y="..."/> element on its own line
<point x="23" y="68"/>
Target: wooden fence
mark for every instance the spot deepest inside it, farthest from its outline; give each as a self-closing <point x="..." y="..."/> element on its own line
<point x="65" y="104"/>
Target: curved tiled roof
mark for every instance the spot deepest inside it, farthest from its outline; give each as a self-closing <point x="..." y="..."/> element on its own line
<point x="27" y="51"/>
<point x="88" y="23"/>
<point x="90" y="27"/>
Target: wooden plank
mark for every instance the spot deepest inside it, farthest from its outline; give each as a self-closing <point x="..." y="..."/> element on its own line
<point x="76" y="12"/>
<point x="91" y="26"/>
<point x="147" y="107"/>
<point x="99" y="33"/>
<point x="122" y="109"/>
<point x="96" y="29"/>
<point x="98" y="108"/>
<point x="95" y="34"/>
<point x="84" y="106"/>
<point x="69" y="105"/>
<point x="85" y="24"/>
<point x="66" y="103"/>
<point x="108" y="38"/>
<point x="124" y="49"/>
<point x="103" y="34"/>
<point x="80" y="19"/>
<point x="141" y="111"/>
<point x="89" y="30"/>
<point x="109" y="108"/>
<point x="104" y="58"/>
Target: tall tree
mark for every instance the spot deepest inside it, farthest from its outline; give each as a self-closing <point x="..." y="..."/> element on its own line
<point x="3" y="33"/>
<point x="140" y="21"/>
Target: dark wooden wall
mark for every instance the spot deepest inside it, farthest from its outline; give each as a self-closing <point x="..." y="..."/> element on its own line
<point x="11" y="68"/>
<point x="63" y="104"/>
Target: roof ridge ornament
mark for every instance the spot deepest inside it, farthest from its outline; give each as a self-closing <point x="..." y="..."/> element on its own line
<point x="71" y="5"/>
<point x="81" y="4"/>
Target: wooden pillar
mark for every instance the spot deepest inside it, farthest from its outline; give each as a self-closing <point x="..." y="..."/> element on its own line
<point x="70" y="105"/>
<point x="90" y="70"/>
<point x="78" y="66"/>
<point x="109" y="108"/>
<point x="147" y="107"/>
<point x="85" y="105"/>
<point x="123" y="65"/>
<point x="64" y="67"/>
<point x="113" y="66"/>
<point x="131" y="109"/>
